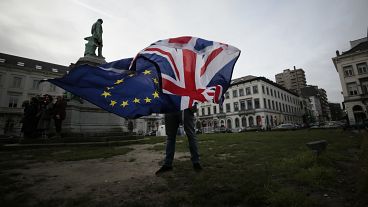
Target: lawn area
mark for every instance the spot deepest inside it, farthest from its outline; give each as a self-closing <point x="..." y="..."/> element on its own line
<point x="240" y="169"/>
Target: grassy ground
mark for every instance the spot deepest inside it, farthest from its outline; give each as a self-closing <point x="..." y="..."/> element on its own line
<point x="274" y="169"/>
<point x="240" y="169"/>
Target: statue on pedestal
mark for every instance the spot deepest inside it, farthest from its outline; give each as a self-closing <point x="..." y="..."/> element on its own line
<point x="94" y="41"/>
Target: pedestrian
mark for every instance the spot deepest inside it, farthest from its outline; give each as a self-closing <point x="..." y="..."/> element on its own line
<point x="59" y="114"/>
<point x="45" y="115"/>
<point x="172" y="122"/>
<point x="29" y="119"/>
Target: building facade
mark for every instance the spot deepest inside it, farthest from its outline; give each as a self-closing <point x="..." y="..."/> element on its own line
<point x="352" y="69"/>
<point x="20" y="80"/>
<point x="251" y="102"/>
<point x="319" y="103"/>
<point x="293" y="80"/>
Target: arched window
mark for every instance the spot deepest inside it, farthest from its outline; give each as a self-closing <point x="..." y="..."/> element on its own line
<point x="228" y="124"/>
<point x="244" y="121"/>
<point x="251" y="121"/>
<point x="237" y="124"/>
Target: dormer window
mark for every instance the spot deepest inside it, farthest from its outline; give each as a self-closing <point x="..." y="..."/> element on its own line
<point x="20" y="63"/>
<point x="38" y="67"/>
<point x="55" y="70"/>
<point x="2" y="60"/>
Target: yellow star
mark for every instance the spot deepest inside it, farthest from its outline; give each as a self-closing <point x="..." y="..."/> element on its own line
<point x="148" y="100"/>
<point x="136" y="100"/>
<point x="112" y="103"/>
<point x="119" y="81"/>
<point x="146" y="72"/>
<point x="124" y="104"/>
<point x="106" y="94"/>
<point x="155" y="94"/>
<point x="155" y="80"/>
<point x="108" y="88"/>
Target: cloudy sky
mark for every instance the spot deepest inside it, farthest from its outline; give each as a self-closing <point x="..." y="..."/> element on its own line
<point x="273" y="35"/>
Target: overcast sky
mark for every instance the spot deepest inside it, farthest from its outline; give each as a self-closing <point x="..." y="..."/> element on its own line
<point x="273" y="35"/>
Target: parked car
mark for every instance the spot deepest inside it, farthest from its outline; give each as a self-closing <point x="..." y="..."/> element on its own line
<point x="151" y="133"/>
<point x="283" y="127"/>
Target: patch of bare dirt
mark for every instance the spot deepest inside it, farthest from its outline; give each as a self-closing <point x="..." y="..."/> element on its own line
<point x="116" y="179"/>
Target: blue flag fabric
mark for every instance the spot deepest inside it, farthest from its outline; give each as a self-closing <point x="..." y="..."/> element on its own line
<point x="168" y="76"/>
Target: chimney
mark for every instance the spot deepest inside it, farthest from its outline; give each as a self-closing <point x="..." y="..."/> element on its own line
<point x="294" y="67"/>
<point x="337" y="53"/>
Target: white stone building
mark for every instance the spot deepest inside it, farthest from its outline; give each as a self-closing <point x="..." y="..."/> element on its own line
<point x="19" y="81"/>
<point x="251" y="102"/>
<point x="353" y="72"/>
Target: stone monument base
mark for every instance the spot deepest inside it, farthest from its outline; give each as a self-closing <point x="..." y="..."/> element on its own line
<point x="85" y="118"/>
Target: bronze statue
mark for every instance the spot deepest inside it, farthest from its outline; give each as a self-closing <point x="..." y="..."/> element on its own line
<point x="94" y="41"/>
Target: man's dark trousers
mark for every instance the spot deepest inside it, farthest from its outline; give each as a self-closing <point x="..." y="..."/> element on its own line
<point x="172" y="122"/>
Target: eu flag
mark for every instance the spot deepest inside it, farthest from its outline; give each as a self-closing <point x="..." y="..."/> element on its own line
<point x="168" y="76"/>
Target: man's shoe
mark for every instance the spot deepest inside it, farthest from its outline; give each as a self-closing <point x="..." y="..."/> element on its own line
<point x="164" y="169"/>
<point x="197" y="167"/>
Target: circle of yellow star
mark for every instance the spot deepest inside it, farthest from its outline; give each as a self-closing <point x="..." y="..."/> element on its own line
<point x="136" y="100"/>
<point x="146" y="72"/>
<point x="124" y="104"/>
<point x="119" y="81"/>
<point x="155" y="94"/>
<point x="112" y="103"/>
<point x="106" y="94"/>
<point x="148" y="100"/>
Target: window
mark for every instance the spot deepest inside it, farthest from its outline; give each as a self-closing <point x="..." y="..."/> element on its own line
<point x="13" y="101"/>
<point x="237" y="123"/>
<point x="352" y="89"/>
<point x="20" y="64"/>
<point x="265" y="103"/>
<point x="55" y="70"/>
<point x="268" y="92"/>
<point x="36" y="84"/>
<point x="362" y="68"/>
<point x="2" y="60"/>
<point x="52" y="88"/>
<point x="273" y="105"/>
<point x="255" y="89"/>
<point x="247" y="91"/>
<point x="364" y="85"/>
<point x="348" y="71"/>
<point x="17" y="82"/>
<point x="235" y="93"/>
<point x="203" y="112"/>
<point x="249" y="104"/>
<point x="278" y="94"/>
<point x="277" y="106"/>
<point x="227" y="107"/>
<point x="242" y="105"/>
<point x="271" y="92"/>
<point x="214" y="109"/>
<point x="221" y="108"/>
<point x="263" y="90"/>
<point x="282" y="96"/>
<point x="236" y="106"/>
<point x="38" y="67"/>
<point x="269" y="104"/>
<point x="241" y="92"/>
<point x="209" y="110"/>
<point x="227" y="95"/>
<point x="256" y="103"/>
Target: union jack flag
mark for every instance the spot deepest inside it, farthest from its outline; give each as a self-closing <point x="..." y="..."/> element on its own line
<point x="195" y="69"/>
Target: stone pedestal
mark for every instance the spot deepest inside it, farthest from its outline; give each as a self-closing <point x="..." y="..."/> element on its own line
<point x="83" y="117"/>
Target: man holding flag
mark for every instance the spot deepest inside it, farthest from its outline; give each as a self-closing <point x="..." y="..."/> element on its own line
<point x="170" y="76"/>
